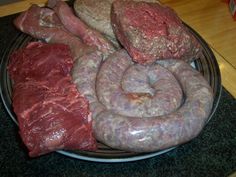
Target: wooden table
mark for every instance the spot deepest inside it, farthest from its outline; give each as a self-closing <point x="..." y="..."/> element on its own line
<point x="211" y="19"/>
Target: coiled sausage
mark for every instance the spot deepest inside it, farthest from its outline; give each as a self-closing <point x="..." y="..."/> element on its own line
<point x="143" y="133"/>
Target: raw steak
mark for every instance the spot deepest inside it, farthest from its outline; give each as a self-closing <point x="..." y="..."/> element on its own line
<point x="52" y="114"/>
<point x="150" y="31"/>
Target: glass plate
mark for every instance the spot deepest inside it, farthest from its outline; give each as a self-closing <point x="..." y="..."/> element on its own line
<point x="206" y="64"/>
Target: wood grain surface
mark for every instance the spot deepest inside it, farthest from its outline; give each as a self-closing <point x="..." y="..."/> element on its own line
<point x="19" y="6"/>
<point x="211" y="19"/>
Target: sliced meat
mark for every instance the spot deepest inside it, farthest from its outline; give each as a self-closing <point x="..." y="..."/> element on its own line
<point x="79" y="28"/>
<point x="150" y="31"/>
<point x="52" y="114"/>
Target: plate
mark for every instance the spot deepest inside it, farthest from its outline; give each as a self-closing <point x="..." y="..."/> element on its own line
<point x="206" y="64"/>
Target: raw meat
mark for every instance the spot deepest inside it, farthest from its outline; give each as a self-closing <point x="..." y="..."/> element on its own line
<point x="37" y="64"/>
<point x="79" y="28"/>
<point x="150" y="31"/>
<point x="96" y="13"/>
<point x="136" y="90"/>
<point x="52" y="114"/>
<point x="42" y="23"/>
<point x="107" y="85"/>
<point x="112" y="105"/>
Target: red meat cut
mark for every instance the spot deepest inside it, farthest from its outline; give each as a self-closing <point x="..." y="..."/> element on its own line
<point x="40" y="62"/>
<point x="150" y="31"/>
<point x="52" y="114"/>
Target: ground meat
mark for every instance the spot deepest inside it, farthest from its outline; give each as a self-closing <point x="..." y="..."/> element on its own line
<point x="52" y="114"/>
<point x="150" y="31"/>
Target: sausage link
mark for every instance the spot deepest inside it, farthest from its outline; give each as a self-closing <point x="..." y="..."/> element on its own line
<point x="84" y="75"/>
<point x="138" y="133"/>
<point x="167" y="94"/>
<point x="156" y="133"/>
